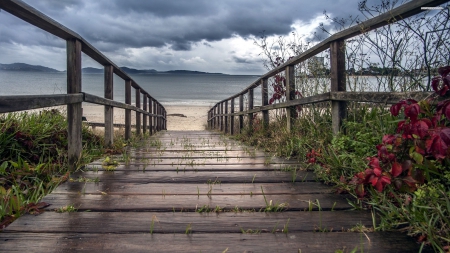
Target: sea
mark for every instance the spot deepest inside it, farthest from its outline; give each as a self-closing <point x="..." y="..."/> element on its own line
<point x="168" y="89"/>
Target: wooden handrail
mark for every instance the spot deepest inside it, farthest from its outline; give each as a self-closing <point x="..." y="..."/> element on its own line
<point x="75" y="45"/>
<point x="337" y="95"/>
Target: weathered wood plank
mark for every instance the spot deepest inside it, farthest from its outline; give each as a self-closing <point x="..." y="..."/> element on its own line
<point x="202" y="168"/>
<point x="207" y="160"/>
<point x="29" y="102"/>
<point x="114" y="188"/>
<point x="191" y="203"/>
<point x="201" y="242"/>
<point x="205" y="222"/>
<point x="184" y="176"/>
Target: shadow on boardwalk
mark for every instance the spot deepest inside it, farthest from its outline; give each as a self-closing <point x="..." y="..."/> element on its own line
<point x="198" y="192"/>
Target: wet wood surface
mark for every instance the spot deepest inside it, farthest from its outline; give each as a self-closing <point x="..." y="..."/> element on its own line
<point x="223" y="206"/>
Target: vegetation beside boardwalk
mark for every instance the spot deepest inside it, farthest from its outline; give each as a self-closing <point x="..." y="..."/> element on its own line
<point x="33" y="159"/>
<point x="394" y="160"/>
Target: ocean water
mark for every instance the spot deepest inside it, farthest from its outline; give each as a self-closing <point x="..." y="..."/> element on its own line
<point x="168" y="89"/>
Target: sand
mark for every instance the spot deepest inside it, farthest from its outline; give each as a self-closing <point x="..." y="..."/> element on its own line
<point x="189" y="118"/>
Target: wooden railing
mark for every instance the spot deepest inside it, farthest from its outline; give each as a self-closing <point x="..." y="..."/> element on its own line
<point x="153" y="113"/>
<point x="219" y="116"/>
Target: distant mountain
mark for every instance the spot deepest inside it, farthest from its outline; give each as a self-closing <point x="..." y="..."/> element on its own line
<point x="90" y="70"/>
<point x="190" y="72"/>
<point x="25" y="67"/>
<point x="138" y="71"/>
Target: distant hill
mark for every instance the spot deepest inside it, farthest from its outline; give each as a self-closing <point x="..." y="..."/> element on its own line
<point x="189" y="72"/>
<point x="25" y="67"/>
<point x="138" y="71"/>
<point x="90" y="70"/>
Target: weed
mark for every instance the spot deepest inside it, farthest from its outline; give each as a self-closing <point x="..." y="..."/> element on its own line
<point x="66" y="209"/>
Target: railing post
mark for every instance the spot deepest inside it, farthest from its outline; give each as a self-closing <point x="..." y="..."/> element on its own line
<point x="221" y="117"/>
<point x="216" y="121"/>
<point x="265" y="101"/>
<point x="165" y="119"/>
<point x="150" y="120"/>
<point x="144" y="116"/>
<point x="226" y="117"/>
<point x="109" y="110"/>
<point x="250" y="107"/>
<point x="156" y="117"/>
<point x="138" y="114"/>
<point x="337" y="60"/>
<point x="290" y="95"/>
<point x="127" y="111"/>
<point x="241" y="109"/>
<point x="232" y="117"/>
<point x="74" y="111"/>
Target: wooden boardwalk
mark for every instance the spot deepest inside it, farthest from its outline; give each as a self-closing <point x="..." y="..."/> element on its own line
<point x="198" y="192"/>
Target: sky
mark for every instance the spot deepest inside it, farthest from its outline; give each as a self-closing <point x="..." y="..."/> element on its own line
<point x="203" y="35"/>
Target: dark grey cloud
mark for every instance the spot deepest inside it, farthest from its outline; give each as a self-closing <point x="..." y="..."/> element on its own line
<point x="177" y="24"/>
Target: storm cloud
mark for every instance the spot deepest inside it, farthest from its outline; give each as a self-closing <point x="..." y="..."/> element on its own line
<point x="176" y="26"/>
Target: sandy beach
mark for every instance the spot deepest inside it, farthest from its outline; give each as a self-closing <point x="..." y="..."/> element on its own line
<point x="189" y="118"/>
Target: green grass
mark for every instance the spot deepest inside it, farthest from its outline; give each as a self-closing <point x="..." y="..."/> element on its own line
<point x="33" y="158"/>
<point x="342" y="156"/>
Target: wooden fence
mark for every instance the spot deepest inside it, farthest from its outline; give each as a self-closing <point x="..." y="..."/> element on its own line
<point x="153" y="113"/>
<point x="220" y="117"/>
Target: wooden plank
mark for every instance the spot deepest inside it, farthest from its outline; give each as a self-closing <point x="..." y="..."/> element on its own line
<point x="207" y="222"/>
<point x="149" y="161"/>
<point x="114" y="188"/>
<point x="203" y="177"/>
<point x="74" y="111"/>
<point x="190" y="203"/>
<point x="109" y="110"/>
<point x="196" y="154"/>
<point x="29" y="102"/>
<point x="200" y="168"/>
<point x="201" y="242"/>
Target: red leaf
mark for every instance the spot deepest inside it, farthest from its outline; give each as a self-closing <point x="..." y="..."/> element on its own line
<point x="395" y="109"/>
<point x="396" y="169"/>
<point x="412" y="111"/>
<point x="373" y="162"/>
<point x="389" y="139"/>
<point x="420" y="127"/>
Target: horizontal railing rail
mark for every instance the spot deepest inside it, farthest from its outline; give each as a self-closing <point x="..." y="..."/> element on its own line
<point x="219" y="116"/>
<point x="150" y="114"/>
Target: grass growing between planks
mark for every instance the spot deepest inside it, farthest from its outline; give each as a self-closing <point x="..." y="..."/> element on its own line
<point x="423" y="213"/>
<point x="33" y="159"/>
